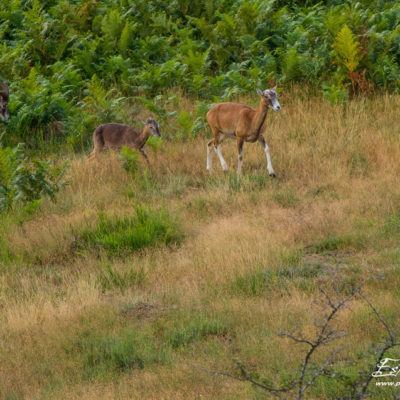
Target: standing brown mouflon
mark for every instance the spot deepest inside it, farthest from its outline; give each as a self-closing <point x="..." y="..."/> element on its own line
<point x="243" y="123"/>
<point x="4" y="113"/>
<point x="115" y="136"/>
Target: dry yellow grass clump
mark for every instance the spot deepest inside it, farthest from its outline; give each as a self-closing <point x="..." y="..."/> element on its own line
<point x="235" y="261"/>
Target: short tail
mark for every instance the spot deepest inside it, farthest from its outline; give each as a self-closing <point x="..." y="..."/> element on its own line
<point x="98" y="138"/>
<point x="98" y="141"/>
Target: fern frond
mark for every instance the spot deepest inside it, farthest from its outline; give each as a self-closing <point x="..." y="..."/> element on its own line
<point x="112" y="26"/>
<point x="125" y="39"/>
<point x="347" y="48"/>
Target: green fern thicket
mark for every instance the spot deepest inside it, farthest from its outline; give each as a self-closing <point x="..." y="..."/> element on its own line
<point x="70" y="64"/>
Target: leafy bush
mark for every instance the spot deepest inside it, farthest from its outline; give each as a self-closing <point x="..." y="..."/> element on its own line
<point x="24" y="181"/>
<point x="154" y="142"/>
<point x="335" y="94"/>
<point x="130" y="159"/>
<point x="39" y="108"/>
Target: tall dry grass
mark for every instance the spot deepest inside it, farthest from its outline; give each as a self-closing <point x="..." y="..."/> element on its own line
<point x="325" y="215"/>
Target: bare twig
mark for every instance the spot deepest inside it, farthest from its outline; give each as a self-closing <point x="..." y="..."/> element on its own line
<point x="325" y="335"/>
<point x="381" y="320"/>
<point x="390" y="343"/>
<point x="247" y="377"/>
<point x="323" y="367"/>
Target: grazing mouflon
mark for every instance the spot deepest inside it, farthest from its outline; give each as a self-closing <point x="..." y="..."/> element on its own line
<point x="115" y="136"/>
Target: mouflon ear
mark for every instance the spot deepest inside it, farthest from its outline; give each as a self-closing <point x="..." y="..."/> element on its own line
<point x="260" y="92"/>
<point x="143" y="121"/>
<point x="274" y="88"/>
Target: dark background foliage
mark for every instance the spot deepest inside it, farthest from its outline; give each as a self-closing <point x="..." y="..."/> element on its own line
<point x="70" y="64"/>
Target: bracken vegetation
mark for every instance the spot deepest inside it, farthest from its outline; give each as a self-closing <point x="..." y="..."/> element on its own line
<point x="120" y="280"/>
<point x="71" y="64"/>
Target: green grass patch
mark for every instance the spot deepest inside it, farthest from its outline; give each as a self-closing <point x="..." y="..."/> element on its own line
<point x="334" y="243"/>
<point x="110" y="278"/>
<point x="5" y="254"/>
<point x="146" y="228"/>
<point x="141" y="345"/>
<point x="265" y="281"/>
<point x="289" y="258"/>
<point x="358" y="164"/>
<point x="327" y="192"/>
<point x="120" y="352"/>
<point x="148" y="182"/>
<point x="11" y="396"/>
<point x="391" y="228"/>
<point x="144" y="184"/>
<point x="198" y="328"/>
<point x="175" y="186"/>
<point x="259" y="180"/>
<point x="235" y="181"/>
<point x="204" y="206"/>
<point x="286" y="198"/>
<point x="255" y="181"/>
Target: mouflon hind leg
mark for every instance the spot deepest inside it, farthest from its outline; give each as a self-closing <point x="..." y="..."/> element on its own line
<point x="240" y="154"/>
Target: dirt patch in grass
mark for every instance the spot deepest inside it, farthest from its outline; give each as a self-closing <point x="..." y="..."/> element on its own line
<point x="140" y="310"/>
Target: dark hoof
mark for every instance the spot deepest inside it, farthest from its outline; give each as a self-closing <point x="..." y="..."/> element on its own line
<point x="272" y="175"/>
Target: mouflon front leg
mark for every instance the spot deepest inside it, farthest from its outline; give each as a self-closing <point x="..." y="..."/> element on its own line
<point x="266" y="149"/>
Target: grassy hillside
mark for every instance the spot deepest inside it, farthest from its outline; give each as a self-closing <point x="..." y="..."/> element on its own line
<point x="120" y="281"/>
<point x="89" y="312"/>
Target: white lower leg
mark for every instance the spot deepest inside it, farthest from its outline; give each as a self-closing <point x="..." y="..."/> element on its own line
<point x="240" y="158"/>
<point x="209" y="157"/>
<point x="221" y="159"/>
<point x="269" y="164"/>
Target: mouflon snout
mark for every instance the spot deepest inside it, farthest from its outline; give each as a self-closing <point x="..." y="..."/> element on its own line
<point x="155" y="129"/>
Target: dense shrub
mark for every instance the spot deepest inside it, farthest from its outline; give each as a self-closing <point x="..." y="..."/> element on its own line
<point x="71" y="63"/>
<point x="27" y="181"/>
